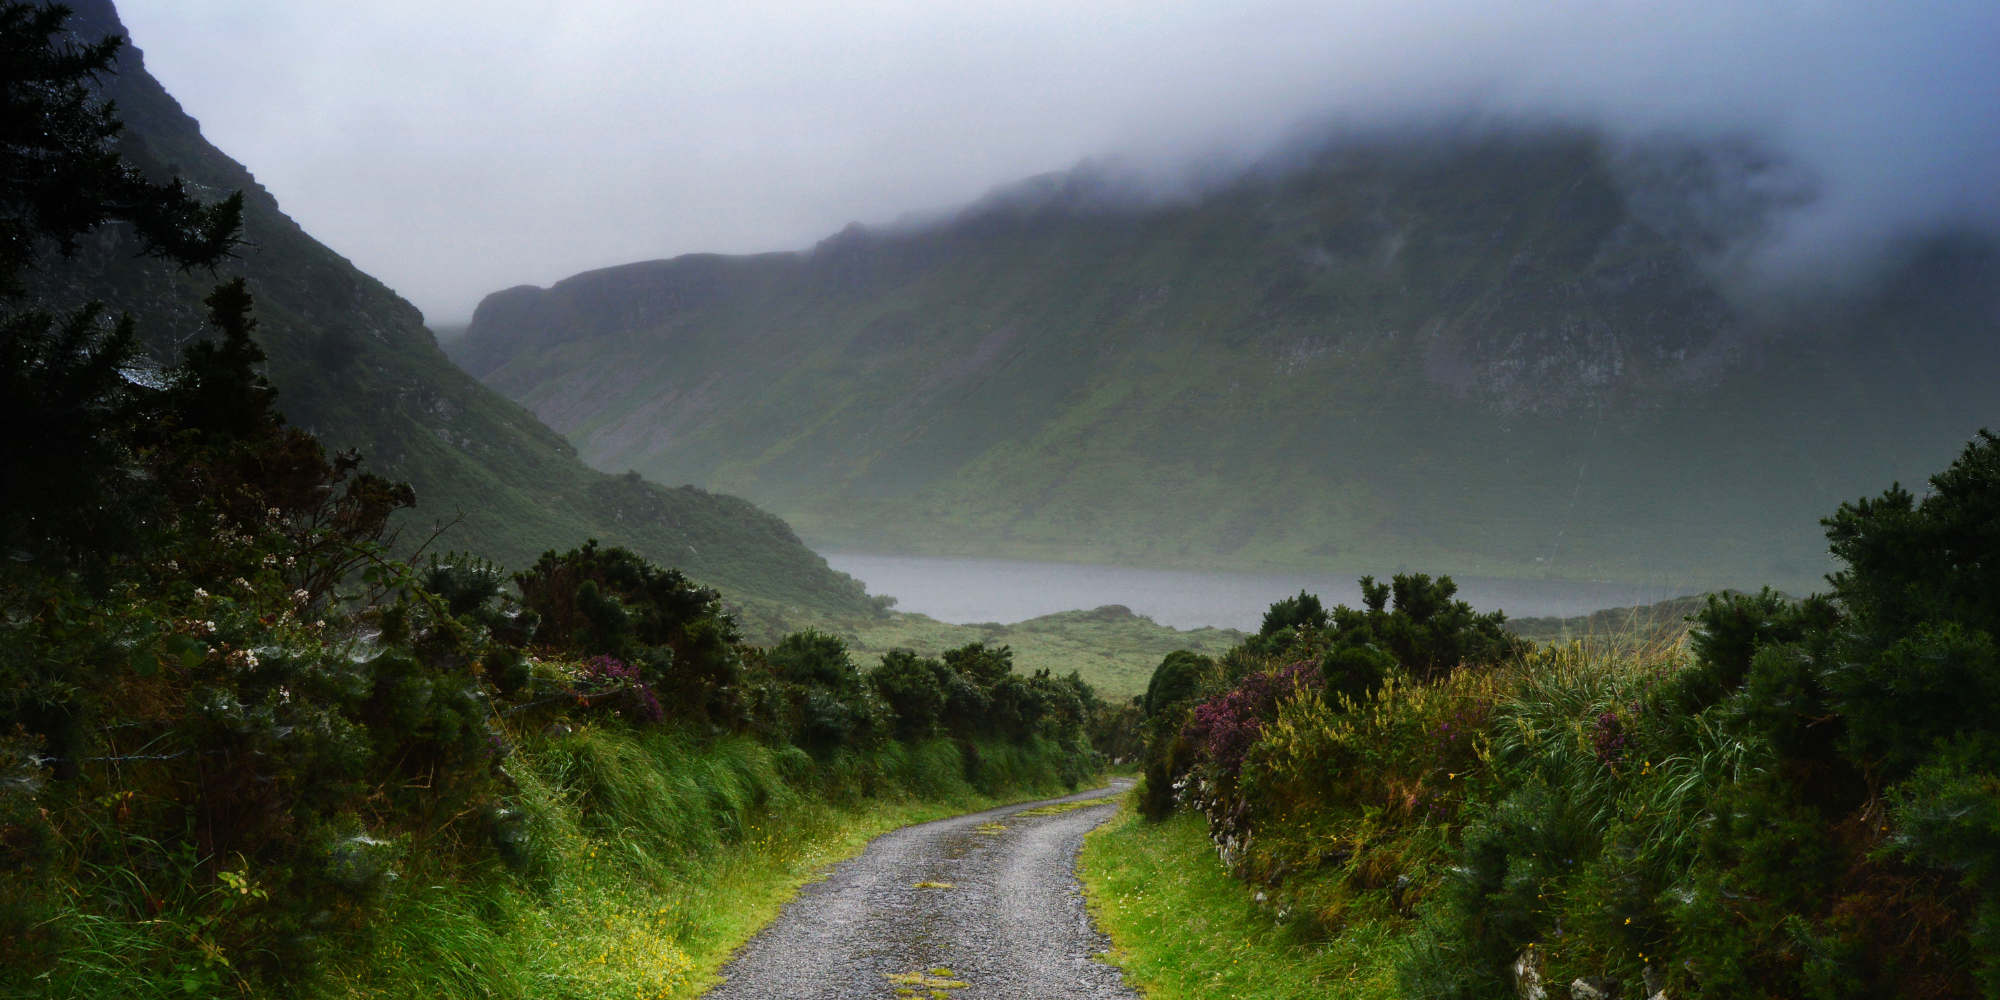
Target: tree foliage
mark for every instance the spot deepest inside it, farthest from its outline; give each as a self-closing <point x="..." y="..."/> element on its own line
<point x="65" y="388"/>
<point x="60" y="176"/>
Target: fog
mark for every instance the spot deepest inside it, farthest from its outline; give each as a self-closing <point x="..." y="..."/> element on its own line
<point x="974" y="591"/>
<point x="453" y="148"/>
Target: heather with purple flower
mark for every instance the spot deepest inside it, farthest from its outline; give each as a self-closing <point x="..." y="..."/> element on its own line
<point x="1609" y="739"/>
<point x="1225" y="727"/>
<point x="607" y="678"/>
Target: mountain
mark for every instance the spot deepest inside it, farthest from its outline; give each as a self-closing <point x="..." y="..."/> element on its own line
<point x="1510" y="354"/>
<point x="354" y="363"/>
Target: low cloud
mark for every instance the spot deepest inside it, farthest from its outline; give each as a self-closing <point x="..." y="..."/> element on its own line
<point x="453" y="148"/>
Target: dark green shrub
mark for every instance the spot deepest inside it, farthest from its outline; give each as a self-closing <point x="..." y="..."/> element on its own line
<point x="1947" y="817"/>
<point x="1016" y="709"/>
<point x="1938" y="683"/>
<point x="599" y="601"/>
<point x="1914" y="662"/>
<point x="1727" y="633"/>
<point x="1355" y="670"/>
<point x="1286" y="622"/>
<point x="1118" y="731"/>
<point x="1177" y="682"/>
<point x="1156" y="789"/>
<point x="834" y="704"/>
<point x="914" y="690"/>
<point x="1426" y="630"/>
<point x="815" y="660"/>
<point x="1180" y="681"/>
<point x="467" y="584"/>
<point x="981" y="665"/>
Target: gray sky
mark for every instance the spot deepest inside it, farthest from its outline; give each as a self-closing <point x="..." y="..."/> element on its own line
<point x="453" y="148"/>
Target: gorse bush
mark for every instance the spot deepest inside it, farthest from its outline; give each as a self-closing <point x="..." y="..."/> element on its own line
<point x="1425" y="631"/>
<point x="913" y="687"/>
<point x="671" y="634"/>
<point x="1222" y="729"/>
<point x="1203" y="718"/>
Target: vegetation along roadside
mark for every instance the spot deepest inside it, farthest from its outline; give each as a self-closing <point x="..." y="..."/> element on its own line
<point x="1799" y="799"/>
<point x="247" y="750"/>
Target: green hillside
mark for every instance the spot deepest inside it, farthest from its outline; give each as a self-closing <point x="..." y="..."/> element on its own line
<point x="354" y="364"/>
<point x="1488" y="356"/>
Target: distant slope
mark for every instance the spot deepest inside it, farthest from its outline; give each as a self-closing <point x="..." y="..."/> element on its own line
<point x="1113" y="649"/>
<point x="1617" y="631"/>
<point x="354" y="363"/>
<point x="1496" y="356"/>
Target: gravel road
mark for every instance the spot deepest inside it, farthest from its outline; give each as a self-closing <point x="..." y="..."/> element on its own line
<point x="980" y="906"/>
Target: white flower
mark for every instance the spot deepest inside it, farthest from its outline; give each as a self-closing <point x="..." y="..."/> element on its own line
<point x="245" y="584"/>
<point x="301" y="596"/>
<point x="200" y="594"/>
<point x="270" y="560"/>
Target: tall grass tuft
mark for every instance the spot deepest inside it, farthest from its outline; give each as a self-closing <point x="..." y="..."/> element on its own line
<point x="640" y="858"/>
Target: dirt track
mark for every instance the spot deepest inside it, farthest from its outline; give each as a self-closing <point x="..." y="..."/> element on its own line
<point x="980" y="906"/>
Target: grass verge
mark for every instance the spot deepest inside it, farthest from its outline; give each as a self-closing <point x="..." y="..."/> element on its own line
<point x="647" y="861"/>
<point x="1182" y="928"/>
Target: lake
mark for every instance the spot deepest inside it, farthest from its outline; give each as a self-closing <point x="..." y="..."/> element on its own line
<point x="966" y="591"/>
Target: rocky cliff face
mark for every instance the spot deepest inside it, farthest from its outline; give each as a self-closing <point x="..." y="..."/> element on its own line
<point x="354" y="363"/>
<point x="1513" y="353"/>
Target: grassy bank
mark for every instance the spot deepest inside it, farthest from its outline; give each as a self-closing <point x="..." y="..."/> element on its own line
<point x="1183" y="928"/>
<point x="637" y="862"/>
<point x="652" y="859"/>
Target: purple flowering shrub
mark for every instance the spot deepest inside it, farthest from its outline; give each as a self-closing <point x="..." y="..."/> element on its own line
<point x="1221" y="731"/>
<point x="610" y="681"/>
<point x="1224" y="727"/>
<point x="1334" y="785"/>
<point x="1610" y="738"/>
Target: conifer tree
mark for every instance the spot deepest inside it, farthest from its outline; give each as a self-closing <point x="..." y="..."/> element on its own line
<point x="67" y="383"/>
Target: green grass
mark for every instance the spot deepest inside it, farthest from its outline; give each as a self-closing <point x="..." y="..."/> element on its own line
<point x="1183" y="928"/>
<point x="1615" y="632"/>
<point x="653" y="858"/>
<point x="645" y="860"/>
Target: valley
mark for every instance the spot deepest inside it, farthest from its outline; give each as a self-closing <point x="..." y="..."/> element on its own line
<point x="1503" y="353"/>
<point x="1445" y="554"/>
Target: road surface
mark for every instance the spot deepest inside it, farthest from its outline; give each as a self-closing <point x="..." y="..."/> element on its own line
<point x="978" y="907"/>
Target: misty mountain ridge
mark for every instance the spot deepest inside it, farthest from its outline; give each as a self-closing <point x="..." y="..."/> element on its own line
<point x="355" y="365"/>
<point x="1726" y="197"/>
<point x="1535" y="352"/>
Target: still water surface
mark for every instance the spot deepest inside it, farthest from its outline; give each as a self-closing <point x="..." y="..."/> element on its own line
<point x="1006" y="590"/>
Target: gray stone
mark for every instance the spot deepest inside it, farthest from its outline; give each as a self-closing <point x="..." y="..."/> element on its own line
<point x="1590" y="989"/>
<point x="1528" y="975"/>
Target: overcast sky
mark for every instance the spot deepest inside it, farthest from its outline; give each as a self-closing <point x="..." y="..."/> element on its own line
<point x="453" y="148"/>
